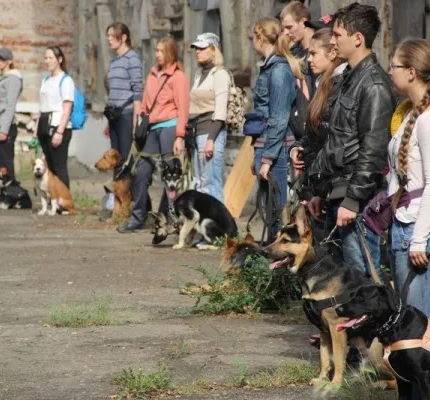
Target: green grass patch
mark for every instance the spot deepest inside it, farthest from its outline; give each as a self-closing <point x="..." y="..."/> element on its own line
<point x="138" y="384"/>
<point x="81" y="314"/>
<point x="255" y="289"/>
<point x="180" y="348"/>
<point x="83" y="200"/>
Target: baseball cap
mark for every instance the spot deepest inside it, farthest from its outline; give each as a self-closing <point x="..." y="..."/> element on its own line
<point x="5" y="54"/>
<point x="205" y="40"/>
<point x="325" y="21"/>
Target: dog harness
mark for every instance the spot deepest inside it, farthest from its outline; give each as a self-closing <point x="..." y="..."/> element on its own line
<point x="406" y="344"/>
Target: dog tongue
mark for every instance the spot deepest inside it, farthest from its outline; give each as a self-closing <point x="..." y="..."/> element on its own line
<point x="277" y="264"/>
<point x="171" y="194"/>
<point x="347" y="324"/>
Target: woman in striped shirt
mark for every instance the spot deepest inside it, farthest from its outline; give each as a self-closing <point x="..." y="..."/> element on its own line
<point x="125" y="87"/>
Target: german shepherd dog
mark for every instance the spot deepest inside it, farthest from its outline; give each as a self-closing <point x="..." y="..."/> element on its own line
<point x="324" y="277"/>
<point x="379" y="310"/>
<point x="197" y="212"/>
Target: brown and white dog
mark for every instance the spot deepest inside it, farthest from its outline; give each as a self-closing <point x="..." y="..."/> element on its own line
<point x="52" y="189"/>
<point x="121" y="185"/>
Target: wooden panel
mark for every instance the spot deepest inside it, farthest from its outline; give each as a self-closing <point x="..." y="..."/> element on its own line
<point x="240" y="181"/>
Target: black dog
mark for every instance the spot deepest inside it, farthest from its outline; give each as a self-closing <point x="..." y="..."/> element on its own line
<point x="197" y="212"/>
<point x="379" y="310"/>
<point x="13" y="195"/>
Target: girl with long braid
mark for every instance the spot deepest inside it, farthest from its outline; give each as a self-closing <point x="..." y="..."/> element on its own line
<point x="409" y="158"/>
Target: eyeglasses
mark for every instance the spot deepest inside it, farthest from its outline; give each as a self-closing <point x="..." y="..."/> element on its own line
<point x="392" y="66"/>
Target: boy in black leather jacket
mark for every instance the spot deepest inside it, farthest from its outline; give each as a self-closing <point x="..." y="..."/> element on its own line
<point x="350" y="166"/>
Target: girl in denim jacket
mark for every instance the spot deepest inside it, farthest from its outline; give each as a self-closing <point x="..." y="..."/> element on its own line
<point x="275" y="92"/>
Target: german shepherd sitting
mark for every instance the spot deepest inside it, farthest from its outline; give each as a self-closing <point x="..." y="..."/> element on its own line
<point x="197" y="212"/>
<point x="403" y="330"/>
<point x="324" y="279"/>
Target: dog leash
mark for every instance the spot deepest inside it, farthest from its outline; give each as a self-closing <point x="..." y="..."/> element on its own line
<point x="373" y="272"/>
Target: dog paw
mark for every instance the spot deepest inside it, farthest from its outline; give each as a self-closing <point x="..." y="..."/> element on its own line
<point x="319" y="381"/>
<point x="178" y="246"/>
<point x="52" y="213"/>
<point x="41" y="212"/>
<point x="204" y="246"/>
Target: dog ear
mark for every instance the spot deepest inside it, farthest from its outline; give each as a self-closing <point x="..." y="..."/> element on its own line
<point x="177" y="163"/>
<point x="286" y="214"/>
<point x="32" y="162"/>
<point x="231" y="242"/>
<point x="107" y="190"/>
<point x="249" y="239"/>
<point x="164" y="165"/>
<point x="301" y="221"/>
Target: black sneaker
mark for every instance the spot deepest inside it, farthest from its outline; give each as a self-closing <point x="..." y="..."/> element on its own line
<point x="129" y="228"/>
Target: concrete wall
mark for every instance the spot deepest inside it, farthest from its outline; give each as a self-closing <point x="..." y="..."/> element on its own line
<point x="27" y="27"/>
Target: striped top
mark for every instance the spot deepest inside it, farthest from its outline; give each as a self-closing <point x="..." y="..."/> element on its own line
<point x="125" y="80"/>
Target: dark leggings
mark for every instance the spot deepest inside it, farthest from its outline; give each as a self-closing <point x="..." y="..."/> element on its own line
<point x="56" y="157"/>
<point x="121" y="134"/>
<point x="7" y="152"/>
<point x="159" y="141"/>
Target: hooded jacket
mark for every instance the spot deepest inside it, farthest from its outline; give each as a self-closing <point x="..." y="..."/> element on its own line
<point x="10" y="89"/>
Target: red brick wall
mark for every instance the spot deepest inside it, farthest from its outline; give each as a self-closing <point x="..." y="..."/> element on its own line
<point x="27" y="27"/>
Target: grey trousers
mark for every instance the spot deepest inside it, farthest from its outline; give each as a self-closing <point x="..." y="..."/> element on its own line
<point x="159" y="141"/>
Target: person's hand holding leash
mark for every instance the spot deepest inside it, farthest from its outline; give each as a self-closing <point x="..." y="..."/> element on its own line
<point x="209" y="149"/>
<point x="264" y="171"/>
<point x="345" y="216"/>
<point x="315" y="207"/>
<point x="418" y="258"/>
<point x="178" y="147"/>
<point x="57" y="139"/>
<point x="3" y="137"/>
<point x="297" y="163"/>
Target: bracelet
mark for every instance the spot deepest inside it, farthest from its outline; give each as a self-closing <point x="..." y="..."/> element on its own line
<point x="59" y="133"/>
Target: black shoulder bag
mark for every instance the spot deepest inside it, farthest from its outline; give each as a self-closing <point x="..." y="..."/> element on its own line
<point x="143" y="128"/>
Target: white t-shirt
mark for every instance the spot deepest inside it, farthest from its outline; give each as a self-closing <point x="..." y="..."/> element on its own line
<point x="52" y="96"/>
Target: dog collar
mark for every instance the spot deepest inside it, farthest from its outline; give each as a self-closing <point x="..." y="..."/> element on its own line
<point x="391" y="321"/>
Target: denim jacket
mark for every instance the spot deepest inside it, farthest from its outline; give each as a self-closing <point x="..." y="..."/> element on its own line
<point x="274" y="100"/>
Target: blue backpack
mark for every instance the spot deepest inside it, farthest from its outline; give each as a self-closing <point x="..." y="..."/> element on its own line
<point x="79" y="114"/>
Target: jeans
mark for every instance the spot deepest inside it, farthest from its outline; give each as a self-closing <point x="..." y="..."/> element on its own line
<point x="352" y="249"/>
<point x="209" y="173"/>
<point x="419" y="290"/>
<point x="7" y="152"/>
<point x="279" y="172"/>
<point x="159" y="141"/>
<point x="56" y="157"/>
<point x="121" y="134"/>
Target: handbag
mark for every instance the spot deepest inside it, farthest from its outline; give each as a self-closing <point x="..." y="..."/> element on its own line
<point x="378" y="213"/>
<point x="255" y="124"/>
<point x="113" y="113"/>
<point x="143" y="128"/>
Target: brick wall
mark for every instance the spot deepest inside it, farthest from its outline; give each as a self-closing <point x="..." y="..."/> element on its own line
<point x="27" y="27"/>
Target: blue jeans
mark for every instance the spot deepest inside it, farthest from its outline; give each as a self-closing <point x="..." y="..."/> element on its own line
<point x="419" y="290"/>
<point x="209" y="173"/>
<point x="279" y="171"/>
<point x="352" y="249"/>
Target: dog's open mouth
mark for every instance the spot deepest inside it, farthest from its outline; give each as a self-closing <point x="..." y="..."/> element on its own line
<point x="353" y="323"/>
<point x="38" y="175"/>
<point x="284" y="262"/>
<point x="171" y="194"/>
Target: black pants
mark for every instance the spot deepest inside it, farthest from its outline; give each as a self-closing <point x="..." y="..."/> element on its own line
<point x="56" y="157"/>
<point x="160" y="141"/>
<point x="7" y="152"/>
<point x="121" y="134"/>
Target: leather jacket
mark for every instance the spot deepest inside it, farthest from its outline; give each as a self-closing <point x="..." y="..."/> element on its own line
<point x="350" y="165"/>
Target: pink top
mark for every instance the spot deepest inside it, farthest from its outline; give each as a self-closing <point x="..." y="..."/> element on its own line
<point x="173" y="100"/>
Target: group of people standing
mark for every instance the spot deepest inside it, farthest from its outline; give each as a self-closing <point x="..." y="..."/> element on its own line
<point x="340" y="150"/>
<point x="358" y="140"/>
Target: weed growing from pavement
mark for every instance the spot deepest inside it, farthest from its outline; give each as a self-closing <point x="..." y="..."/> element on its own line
<point x="180" y="348"/>
<point x="83" y="200"/>
<point x="81" y="314"/>
<point x="362" y="385"/>
<point x="137" y="384"/>
<point x="256" y="288"/>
